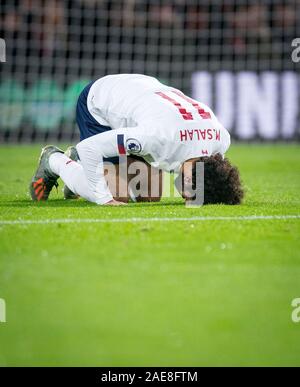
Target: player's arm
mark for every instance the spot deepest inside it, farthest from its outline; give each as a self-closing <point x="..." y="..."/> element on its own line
<point x="109" y="144"/>
<point x="134" y="179"/>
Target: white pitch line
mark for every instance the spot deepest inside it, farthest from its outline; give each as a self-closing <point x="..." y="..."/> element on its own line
<point x="143" y="220"/>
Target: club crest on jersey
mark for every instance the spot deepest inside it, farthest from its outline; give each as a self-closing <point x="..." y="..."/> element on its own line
<point x="133" y="146"/>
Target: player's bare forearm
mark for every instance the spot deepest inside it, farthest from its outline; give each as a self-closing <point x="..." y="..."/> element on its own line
<point x="137" y="180"/>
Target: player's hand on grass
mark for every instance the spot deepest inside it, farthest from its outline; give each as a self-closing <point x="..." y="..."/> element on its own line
<point x="114" y="202"/>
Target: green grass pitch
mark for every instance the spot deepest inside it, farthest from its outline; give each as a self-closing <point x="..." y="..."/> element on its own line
<point x="185" y="293"/>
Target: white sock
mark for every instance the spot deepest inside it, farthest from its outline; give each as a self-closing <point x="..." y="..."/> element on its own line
<point x="56" y="161"/>
<point x="72" y="175"/>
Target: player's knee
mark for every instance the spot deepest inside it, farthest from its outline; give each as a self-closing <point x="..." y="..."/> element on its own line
<point x="80" y="147"/>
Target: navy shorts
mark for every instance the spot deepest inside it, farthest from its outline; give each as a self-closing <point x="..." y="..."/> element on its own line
<point x="88" y="126"/>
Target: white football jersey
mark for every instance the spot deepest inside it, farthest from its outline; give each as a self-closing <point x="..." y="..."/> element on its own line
<point x="156" y="122"/>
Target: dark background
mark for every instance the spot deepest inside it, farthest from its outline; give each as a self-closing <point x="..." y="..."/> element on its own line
<point x="54" y="47"/>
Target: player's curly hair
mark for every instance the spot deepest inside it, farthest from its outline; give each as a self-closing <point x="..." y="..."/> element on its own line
<point x="222" y="183"/>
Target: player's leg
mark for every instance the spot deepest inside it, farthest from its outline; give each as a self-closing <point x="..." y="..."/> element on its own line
<point x="72" y="174"/>
<point x="71" y="152"/>
<point x="53" y="163"/>
<point x="44" y="178"/>
<point x="132" y="178"/>
<point x="116" y="182"/>
<point x="88" y="127"/>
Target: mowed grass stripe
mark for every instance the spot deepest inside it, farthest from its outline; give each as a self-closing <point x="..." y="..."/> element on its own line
<point x="139" y="220"/>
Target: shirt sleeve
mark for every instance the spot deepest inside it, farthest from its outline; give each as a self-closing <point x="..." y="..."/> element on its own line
<point x="226" y="141"/>
<point x="113" y="143"/>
